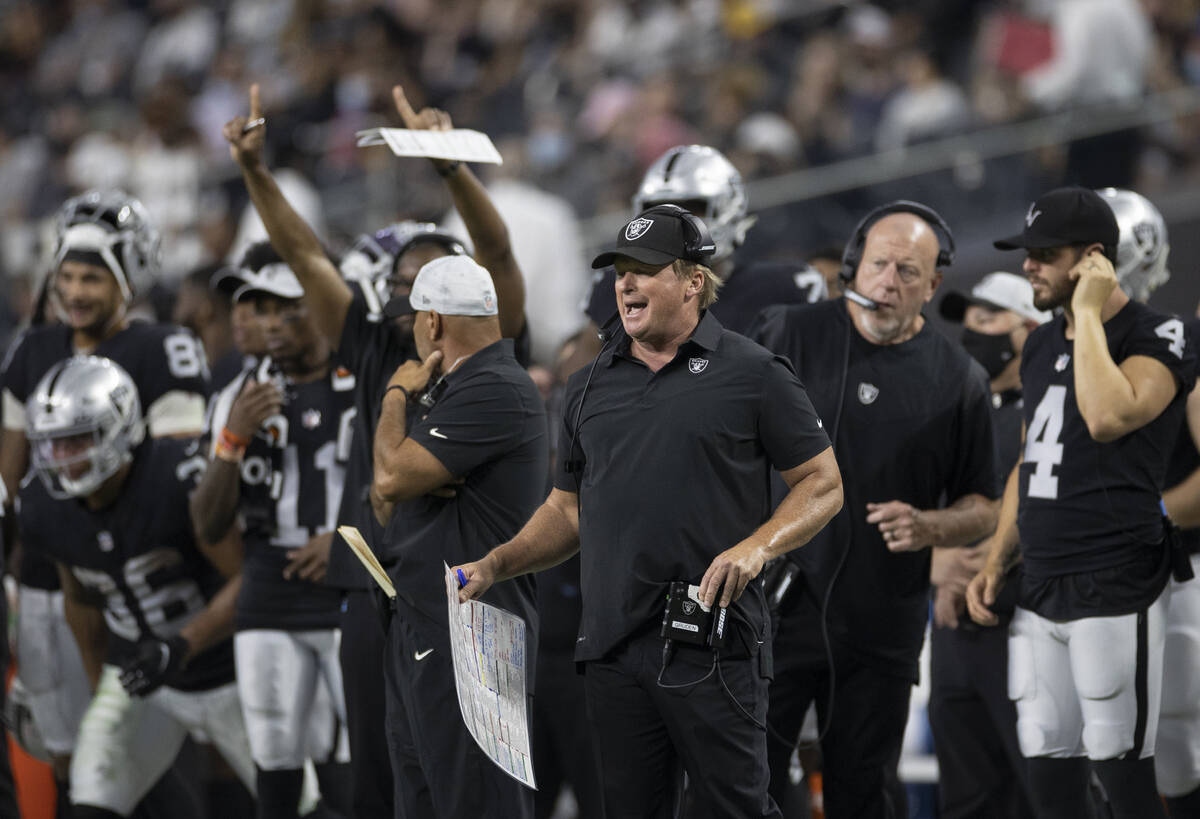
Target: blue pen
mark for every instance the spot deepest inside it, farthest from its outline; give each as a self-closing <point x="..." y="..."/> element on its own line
<point x="462" y="578"/>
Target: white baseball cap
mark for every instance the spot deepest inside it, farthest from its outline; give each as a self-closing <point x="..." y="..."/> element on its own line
<point x="275" y="279"/>
<point x="1002" y="291"/>
<point x="450" y="285"/>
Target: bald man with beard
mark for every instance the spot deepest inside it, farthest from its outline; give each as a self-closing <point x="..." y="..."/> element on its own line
<point x="909" y="415"/>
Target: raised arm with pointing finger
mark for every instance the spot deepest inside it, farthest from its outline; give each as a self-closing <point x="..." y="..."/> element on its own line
<point x="300" y="248"/>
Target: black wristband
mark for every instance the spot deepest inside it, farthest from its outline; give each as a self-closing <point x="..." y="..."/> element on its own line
<point x="407" y="397"/>
<point x="448" y="170"/>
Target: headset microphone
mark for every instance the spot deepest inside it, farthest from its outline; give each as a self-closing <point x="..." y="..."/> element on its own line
<point x="608" y="330"/>
<point x="860" y="299"/>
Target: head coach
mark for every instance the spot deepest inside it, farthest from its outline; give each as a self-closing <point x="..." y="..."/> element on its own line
<point x="669" y="441"/>
<point x="909" y="413"/>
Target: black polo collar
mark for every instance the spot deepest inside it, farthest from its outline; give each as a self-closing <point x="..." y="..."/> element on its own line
<point x="706" y="336"/>
<point x="481" y="358"/>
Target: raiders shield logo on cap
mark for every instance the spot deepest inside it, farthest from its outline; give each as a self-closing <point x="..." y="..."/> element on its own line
<point x="636" y="228"/>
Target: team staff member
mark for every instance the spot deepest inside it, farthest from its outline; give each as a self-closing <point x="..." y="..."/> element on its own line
<point x="669" y="440"/>
<point x="1105" y="386"/>
<point x="372" y="350"/>
<point x="981" y="770"/>
<point x="910" y="415"/>
<point x="481" y="426"/>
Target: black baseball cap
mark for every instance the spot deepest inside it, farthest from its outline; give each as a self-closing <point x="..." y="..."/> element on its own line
<point x="1065" y="216"/>
<point x="658" y="236"/>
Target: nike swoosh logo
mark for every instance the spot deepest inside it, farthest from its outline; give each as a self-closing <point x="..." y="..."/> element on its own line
<point x="433" y="431"/>
<point x="820" y="424"/>
<point x="421" y="655"/>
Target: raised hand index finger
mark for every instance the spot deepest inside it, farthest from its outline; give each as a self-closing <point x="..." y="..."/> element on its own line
<point x="402" y="106"/>
<point x="255" y="106"/>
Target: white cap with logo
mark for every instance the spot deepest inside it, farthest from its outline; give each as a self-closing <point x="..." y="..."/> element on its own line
<point x="451" y="286"/>
<point x="1004" y="291"/>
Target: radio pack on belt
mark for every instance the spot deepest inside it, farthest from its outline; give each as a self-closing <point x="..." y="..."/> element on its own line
<point x="687" y="620"/>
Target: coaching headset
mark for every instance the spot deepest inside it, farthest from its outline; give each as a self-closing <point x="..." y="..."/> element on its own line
<point x="698" y="242"/>
<point x="852" y="255"/>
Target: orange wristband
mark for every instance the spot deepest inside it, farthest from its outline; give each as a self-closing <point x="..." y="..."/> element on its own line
<point x="233" y="438"/>
<point x="230" y="447"/>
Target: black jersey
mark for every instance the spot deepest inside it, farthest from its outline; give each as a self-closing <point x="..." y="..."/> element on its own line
<point x="910" y="422"/>
<point x="1185" y="459"/>
<point x="1007" y="409"/>
<point x="138" y="554"/>
<point x="291" y="489"/>
<point x="372" y="350"/>
<point x="161" y="359"/>
<point x="1088" y="507"/>
<point x="228" y="367"/>
<point x="749" y="289"/>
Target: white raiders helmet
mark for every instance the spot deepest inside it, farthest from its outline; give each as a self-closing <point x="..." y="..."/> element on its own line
<point x="115" y="227"/>
<point x="371" y="260"/>
<point x="94" y="401"/>
<point x="688" y="175"/>
<point x="18" y="719"/>
<point x="1143" y="246"/>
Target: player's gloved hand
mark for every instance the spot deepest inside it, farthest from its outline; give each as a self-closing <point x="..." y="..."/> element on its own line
<point x="153" y="665"/>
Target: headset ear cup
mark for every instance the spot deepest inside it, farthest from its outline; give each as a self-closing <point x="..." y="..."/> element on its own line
<point x="858" y="239"/>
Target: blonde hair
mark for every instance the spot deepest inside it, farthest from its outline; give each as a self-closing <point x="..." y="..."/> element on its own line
<point x="712" y="282"/>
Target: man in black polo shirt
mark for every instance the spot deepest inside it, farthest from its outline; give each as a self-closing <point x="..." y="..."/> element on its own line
<point x="1105" y="386"/>
<point x="910" y="416"/>
<point x="481" y="427"/>
<point x="669" y="440"/>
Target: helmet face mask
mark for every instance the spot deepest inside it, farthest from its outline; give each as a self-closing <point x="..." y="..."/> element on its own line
<point x="699" y="179"/>
<point x="1143" y="246"/>
<point x="84" y="421"/>
<point x="115" y="227"/>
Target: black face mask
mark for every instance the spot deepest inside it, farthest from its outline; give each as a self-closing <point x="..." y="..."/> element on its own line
<point x="993" y="352"/>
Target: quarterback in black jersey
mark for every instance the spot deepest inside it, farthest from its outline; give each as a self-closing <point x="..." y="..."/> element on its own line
<point x="106" y="251"/>
<point x="385" y="263"/>
<point x="281" y="435"/>
<point x="151" y="611"/>
<point x="1105" y="385"/>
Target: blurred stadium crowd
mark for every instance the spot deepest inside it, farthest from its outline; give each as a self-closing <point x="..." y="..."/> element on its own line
<point x="580" y="96"/>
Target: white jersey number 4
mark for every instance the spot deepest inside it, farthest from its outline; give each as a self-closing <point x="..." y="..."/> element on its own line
<point x="1172" y="331"/>
<point x="1042" y="447"/>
